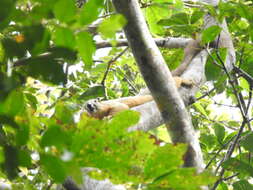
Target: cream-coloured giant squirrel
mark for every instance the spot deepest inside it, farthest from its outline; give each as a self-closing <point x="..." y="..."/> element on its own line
<point x="101" y="109"/>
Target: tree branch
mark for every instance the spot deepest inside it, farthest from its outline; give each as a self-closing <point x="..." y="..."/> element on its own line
<point x="161" y="42"/>
<point x="159" y="80"/>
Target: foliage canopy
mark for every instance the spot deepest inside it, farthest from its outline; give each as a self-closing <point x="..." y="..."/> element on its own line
<point x="50" y="64"/>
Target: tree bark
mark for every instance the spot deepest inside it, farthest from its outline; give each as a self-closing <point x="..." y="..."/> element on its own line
<point x="159" y="81"/>
<point x="165" y="94"/>
<point x="161" y="42"/>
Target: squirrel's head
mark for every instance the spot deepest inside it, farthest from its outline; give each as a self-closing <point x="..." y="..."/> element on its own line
<point x="92" y="106"/>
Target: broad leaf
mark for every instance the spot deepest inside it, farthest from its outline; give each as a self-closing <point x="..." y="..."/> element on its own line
<point x="247" y="142"/>
<point x="24" y="158"/>
<point x="242" y="185"/>
<point x="11" y="161"/>
<point x="22" y="134"/>
<point x="64" y="113"/>
<point x="163" y="160"/>
<point x="86" y="48"/>
<point x="46" y="69"/>
<point x="54" y="166"/>
<point x="93" y="92"/>
<point x="54" y="135"/>
<point x="219" y="132"/>
<point x="64" y="37"/>
<point x="106" y="29"/>
<point x="64" y="10"/>
<point x="209" y="34"/>
<point x="14" y="104"/>
<point x="237" y="165"/>
<point x="5" y="10"/>
<point x="90" y="11"/>
<point x="155" y="13"/>
<point x="212" y="71"/>
<point x="196" y="15"/>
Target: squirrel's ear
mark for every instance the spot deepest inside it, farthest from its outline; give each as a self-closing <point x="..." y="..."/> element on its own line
<point x="99" y="99"/>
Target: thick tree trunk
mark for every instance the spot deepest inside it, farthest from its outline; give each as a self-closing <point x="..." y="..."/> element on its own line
<point x="159" y="81"/>
<point x="166" y="95"/>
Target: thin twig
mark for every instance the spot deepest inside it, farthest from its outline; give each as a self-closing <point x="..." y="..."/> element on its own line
<point x="229" y="154"/>
<point x="217" y="153"/>
<point x="242" y="107"/>
<point x="206" y="94"/>
<point x="129" y="82"/>
<point x="109" y="65"/>
<point x="243" y="74"/>
<point x="230" y="177"/>
<point x="218" y="122"/>
<point x="249" y="100"/>
<point x="219" y="104"/>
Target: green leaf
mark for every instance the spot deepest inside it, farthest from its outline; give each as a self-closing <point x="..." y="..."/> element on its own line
<point x="46" y="69"/>
<point x="247" y="65"/>
<point x="212" y="71"/>
<point x="64" y="113"/>
<point x="54" y="167"/>
<point x="185" y="178"/>
<point x="234" y="123"/>
<point x="209" y="34"/>
<point x="9" y="121"/>
<point x="167" y="2"/>
<point x="219" y="132"/>
<point x="36" y="38"/>
<point x="14" y="104"/>
<point x="120" y="120"/>
<point x="222" y="186"/>
<point x="11" y="161"/>
<point x="164" y="159"/>
<point x="64" y="37"/>
<point x="196" y="15"/>
<point x="54" y="135"/>
<point x="2" y="51"/>
<point x="209" y="140"/>
<point x="175" y="19"/>
<point x="247" y="142"/>
<point x="244" y="11"/>
<point x="63" y="53"/>
<point x="65" y="10"/>
<point x="220" y="84"/>
<point x="24" y="158"/>
<point x="74" y="170"/>
<point x="22" y="134"/>
<point x="153" y="14"/>
<point x="242" y="185"/>
<point x="200" y="108"/>
<point x="32" y="100"/>
<point x="106" y="29"/>
<point x="243" y="24"/>
<point x="178" y="22"/>
<point x="244" y="84"/>
<point x="6" y="8"/>
<point x="90" y="11"/>
<point x="237" y="165"/>
<point x="2" y="159"/>
<point x="86" y="48"/>
<point x="12" y="48"/>
<point x="93" y="92"/>
<point x="78" y="142"/>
